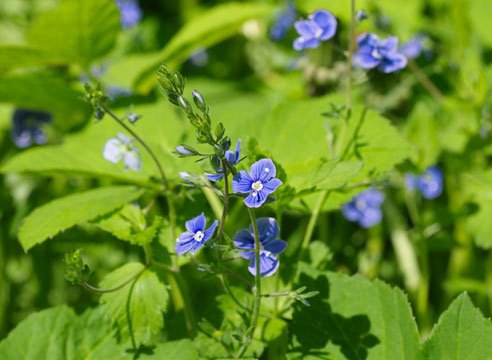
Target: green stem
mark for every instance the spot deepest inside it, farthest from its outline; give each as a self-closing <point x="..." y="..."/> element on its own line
<point x="257" y="290"/>
<point x="94" y="289"/>
<point x="220" y="232"/>
<point x="425" y="81"/>
<point x="351" y="49"/>
<point x="312" y="221"/>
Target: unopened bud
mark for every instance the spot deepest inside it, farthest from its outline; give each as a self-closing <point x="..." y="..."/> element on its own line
<point x="184" y="150"/>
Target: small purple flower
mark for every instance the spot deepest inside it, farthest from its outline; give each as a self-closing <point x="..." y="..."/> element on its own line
<point x="283" y="22"/>
<point x="195" y="236"/>
<point x="361" y="15"/>
<point x="321" y="26"/>
<point x="269" y="246"/>
<point x="114" y="92"/>
<point x="27" y="127"/>
<point x="430" y="183"/>
<point x="130" y="12"/>
<point x="121" y="148"/>
<point x="413" y="48"/>
<point x="383" y="54"/>
<point x="365" y="208"/>
<point x="258" y="183"/>
<point x="232" y="157"/>
<point x="199" y="58"/>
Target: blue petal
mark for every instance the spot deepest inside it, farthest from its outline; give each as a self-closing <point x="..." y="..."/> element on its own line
<point x="268" y="264"/>
<point x="243" y="239"/>
<point x="184" y="246"/>
<point x="371" y="197"/>
<point x="351" y="212"/>
<point x="367" y="40"/>
<point x="371" y="217"/>
<point x="364" y="60"/>
<point x="275" y="246"/>
<point x="327" y="22"/>
<point x="196" y="246"/>
<point x="413" y="48"/>
<point x="431" y="183"/>
<point x="263" y="170"/>
<point x="410" y="181"/>
<point x="241" y="183"/>
<point x="132" y="160"/>
<point x="186" y="236"/>
<point x="112" y="150"/>
<point x="271" y="185"/>
<point x="210" y="231"/>
<point x="267" y="229"/>
<point x="214" y="177"/>
<point x="255" y="199"/>
<point x="388" y="45"/>
<point x="196" y="224"/>
<point x="301" y="43"/>
<point x="392" y="63"/>
<point x="308" y="29"/>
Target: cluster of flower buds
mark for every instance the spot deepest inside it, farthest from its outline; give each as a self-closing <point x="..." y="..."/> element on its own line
<point x="76" y="271"/>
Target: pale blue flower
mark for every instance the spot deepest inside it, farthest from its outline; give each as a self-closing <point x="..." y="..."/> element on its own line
<point x="121" y="148"/>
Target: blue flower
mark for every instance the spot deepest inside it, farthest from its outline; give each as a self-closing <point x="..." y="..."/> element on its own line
<point x="365" y="208"/>
<point x="414" y="47"/>
<point x="258" y="183"/>
<point x="199" y="58"/>
<point x="361" y="15"/>
<point x="383" y="54"/>
<point x="27" y="127"/>
<point x="321" y="26"/>
<point x="121" y="148"/>
<point x="269" y="246"/>
<point x="115" y="91"/>
<point x="130" y="12"/>
<point x="232" y="157"/>
<point x="283" y="22"/>
<point x="430" y="183"/>
<point x="195" y="236"/>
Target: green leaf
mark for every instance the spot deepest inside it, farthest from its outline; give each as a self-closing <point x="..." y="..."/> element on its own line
<point x="129" y="224"/>
<point x="58" y="333"/>
<point x="173" y="350"/>
<point x="138" y="305"/>
<point x="479" y="18"/>
<point x="353" y="318"/>
<point x="211" y="27"/>
<point x="60" y="214"/>
<point x="477" y="186"/>
<point x="17" y="56"/>
<point x="44" y="91"/>
<point x="78" y="31"/>
<point x="461" y="333"/>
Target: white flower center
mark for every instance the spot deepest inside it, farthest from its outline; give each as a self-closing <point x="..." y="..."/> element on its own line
<point x="257" y="185"/>
<point x="267" y="253"/>
<point x="267" y="170"/>
<point x="198" y="236"/>
<point x="375" y="54"/>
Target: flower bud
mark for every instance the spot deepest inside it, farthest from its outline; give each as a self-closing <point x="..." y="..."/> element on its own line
<point x="185" y="150"/>
<point x="199" y="100"/>
<point x="133" y="118"/>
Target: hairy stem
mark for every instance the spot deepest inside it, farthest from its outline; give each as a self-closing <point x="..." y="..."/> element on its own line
<point x="312" y="221"/>
<point x="257" y="291"/>
<point x="425" y="81"/>
<point x="220" y="232"/>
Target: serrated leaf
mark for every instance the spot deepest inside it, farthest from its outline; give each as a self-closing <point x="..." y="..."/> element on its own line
<point x="353" y="318"/>
<point x="48" y="220"/>
<point x="461" y="333"/>
<point x="211" y="27"/>
<point x="59" y="334"/>
<point x="128" y="224"/>
<point x="77" y="30"/>
<point x="138" y="306"/>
